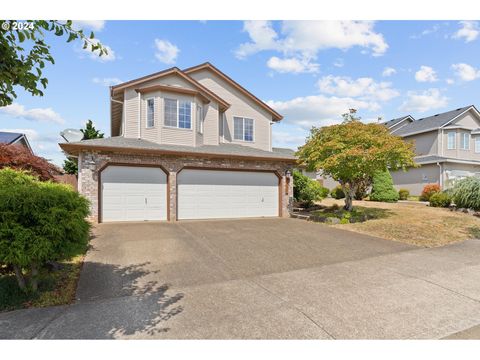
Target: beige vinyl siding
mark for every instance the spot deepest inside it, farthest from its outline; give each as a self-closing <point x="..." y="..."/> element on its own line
<point x="425" y="144"/>
<point x="241" y="106"/>
<point x="150" y="134"/>
<point x="159" y="133"/>
<point x="131" y="114"/>
<point x="416" y="178"/>
<point x="467" y="122"/>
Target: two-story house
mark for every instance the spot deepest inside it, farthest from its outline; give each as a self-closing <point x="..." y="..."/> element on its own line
<point x="185" y="144"/>
<point x="447" y="146"/>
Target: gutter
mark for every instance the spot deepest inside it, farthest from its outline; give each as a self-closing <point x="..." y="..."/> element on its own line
<point x="79" y="147"/>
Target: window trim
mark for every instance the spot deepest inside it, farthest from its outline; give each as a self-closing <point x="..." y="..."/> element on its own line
<point x="199" y="121"/>
<point x="178" y="114"/>
<point x="243" y="129"/>
<point x="146" y="112"/>
<point x="463" y="142"/>
<point x="454" y="140"/>
<point x="477" y="141"/>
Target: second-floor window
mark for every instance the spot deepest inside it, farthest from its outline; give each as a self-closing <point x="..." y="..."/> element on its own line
<point x="199" y="119"/>
<point x="178" y="113"/>
<point x="451" y="143"/>
<point x="242" y="129"/>
<point x="477" y="144"/>
<point x="150" y="113"/>
<point x="465" y="141"/>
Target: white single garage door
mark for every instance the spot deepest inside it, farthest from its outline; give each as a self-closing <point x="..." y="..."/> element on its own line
<point x="213" y="194"/>
<point x="131" y="193"/>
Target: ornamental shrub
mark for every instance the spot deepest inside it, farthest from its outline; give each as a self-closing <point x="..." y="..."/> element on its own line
<point x="440" y="199"/>
<point x="403" y="194"/>
<point x="337" y="193"/>
<point x="39" y="222"/>
<point x="466" y="193"/>
<point x="382" y="187"/>
<point x="307" y="190"/>
<point x="429" y="190"/>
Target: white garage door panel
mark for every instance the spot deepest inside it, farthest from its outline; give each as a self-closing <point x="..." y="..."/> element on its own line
<point x="133" y="194"/>
<point x="213" y="194"/>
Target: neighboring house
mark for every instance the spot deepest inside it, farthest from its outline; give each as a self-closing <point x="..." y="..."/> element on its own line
<point x="185" y="144"/>
<point x="447" y="146"/>
<point x="12" y="138"/>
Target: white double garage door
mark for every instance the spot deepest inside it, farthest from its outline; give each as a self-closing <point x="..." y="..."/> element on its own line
<point x="134" y="193"/>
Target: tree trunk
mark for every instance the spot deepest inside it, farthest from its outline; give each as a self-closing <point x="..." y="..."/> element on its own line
<point x="349" y="195"/>
<point x="348" y="201"/>
<point x="34" y="280"/>
<point x="19" y="276"/>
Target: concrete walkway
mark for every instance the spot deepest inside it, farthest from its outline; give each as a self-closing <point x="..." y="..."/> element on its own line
<point x="260" y="279"/>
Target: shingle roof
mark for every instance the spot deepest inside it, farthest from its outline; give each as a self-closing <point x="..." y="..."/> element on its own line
<point x="9" y="137"/>
<point x="393" y="122"/>
<point x="118" y="142"/>
<point x="430" y="123"/>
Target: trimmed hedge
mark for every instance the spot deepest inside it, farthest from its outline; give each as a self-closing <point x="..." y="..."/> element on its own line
<point x="39" y="222"/>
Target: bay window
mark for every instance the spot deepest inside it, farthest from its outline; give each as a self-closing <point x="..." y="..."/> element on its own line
<point x="178" y="113"/>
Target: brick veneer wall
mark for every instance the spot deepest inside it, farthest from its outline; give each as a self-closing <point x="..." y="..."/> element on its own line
<point x="91" y="162"/>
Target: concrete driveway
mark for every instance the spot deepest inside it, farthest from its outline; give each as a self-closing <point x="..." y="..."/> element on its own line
<point x="260" y="279"/>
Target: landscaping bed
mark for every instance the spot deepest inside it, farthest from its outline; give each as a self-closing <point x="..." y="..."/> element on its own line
<point x="335" y="214"/>
<point x="412" y="223"/>
<point x="56" y="287"/>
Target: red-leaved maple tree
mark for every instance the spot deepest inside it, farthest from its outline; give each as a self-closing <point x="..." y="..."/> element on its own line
<point x="20" y="158"/>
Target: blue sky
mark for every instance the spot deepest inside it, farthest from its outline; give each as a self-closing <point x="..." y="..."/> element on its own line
<point x="311" y="72"/>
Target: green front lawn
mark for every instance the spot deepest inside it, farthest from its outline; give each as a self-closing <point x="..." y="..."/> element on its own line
<point x="55" y="287"/>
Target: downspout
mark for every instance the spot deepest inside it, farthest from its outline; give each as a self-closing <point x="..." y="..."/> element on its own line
<point x="441" y="175"/>
<point x="139" y="114"/>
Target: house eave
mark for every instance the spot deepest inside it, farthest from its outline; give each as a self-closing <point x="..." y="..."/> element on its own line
<point x="75" y="149"/>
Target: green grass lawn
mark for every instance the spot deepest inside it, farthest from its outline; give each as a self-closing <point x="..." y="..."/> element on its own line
<point x="55" y="287"/>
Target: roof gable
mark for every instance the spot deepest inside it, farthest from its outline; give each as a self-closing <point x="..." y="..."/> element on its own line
<point x="432" y="123"/>
<point x="169" y="72"/>
<point x="207" y="66"/>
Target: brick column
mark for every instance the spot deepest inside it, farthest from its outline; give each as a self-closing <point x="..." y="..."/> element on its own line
<point x="172" y="190"/>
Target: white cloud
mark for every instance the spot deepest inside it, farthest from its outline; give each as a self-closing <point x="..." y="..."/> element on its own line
<point x="107" y="81"/>
<point x="292" y="65"/>
<point x="110" y="56"/>
<point x="318" y="110"/>
<point x="388" y="71"/>
<point x="450" y="81"/>
<point x="424" y="101"/>
<point x="339" y="63"/>
<point x="426" y="74"/>
<point x="37" y="114"/>
<point x="290" y="139"/>
<point x="166" y="52"/>
<point x="363" y="88"/>
<point x="468" y="31"/>
<point x="466" y="72"/>
<point x="307" y="38"/>
<point x="425" y="32"/>
<point x="95" y="25"/>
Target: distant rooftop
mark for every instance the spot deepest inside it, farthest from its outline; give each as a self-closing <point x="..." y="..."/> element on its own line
<point x="9" y="137"/>
<point x="428" y="123"/>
